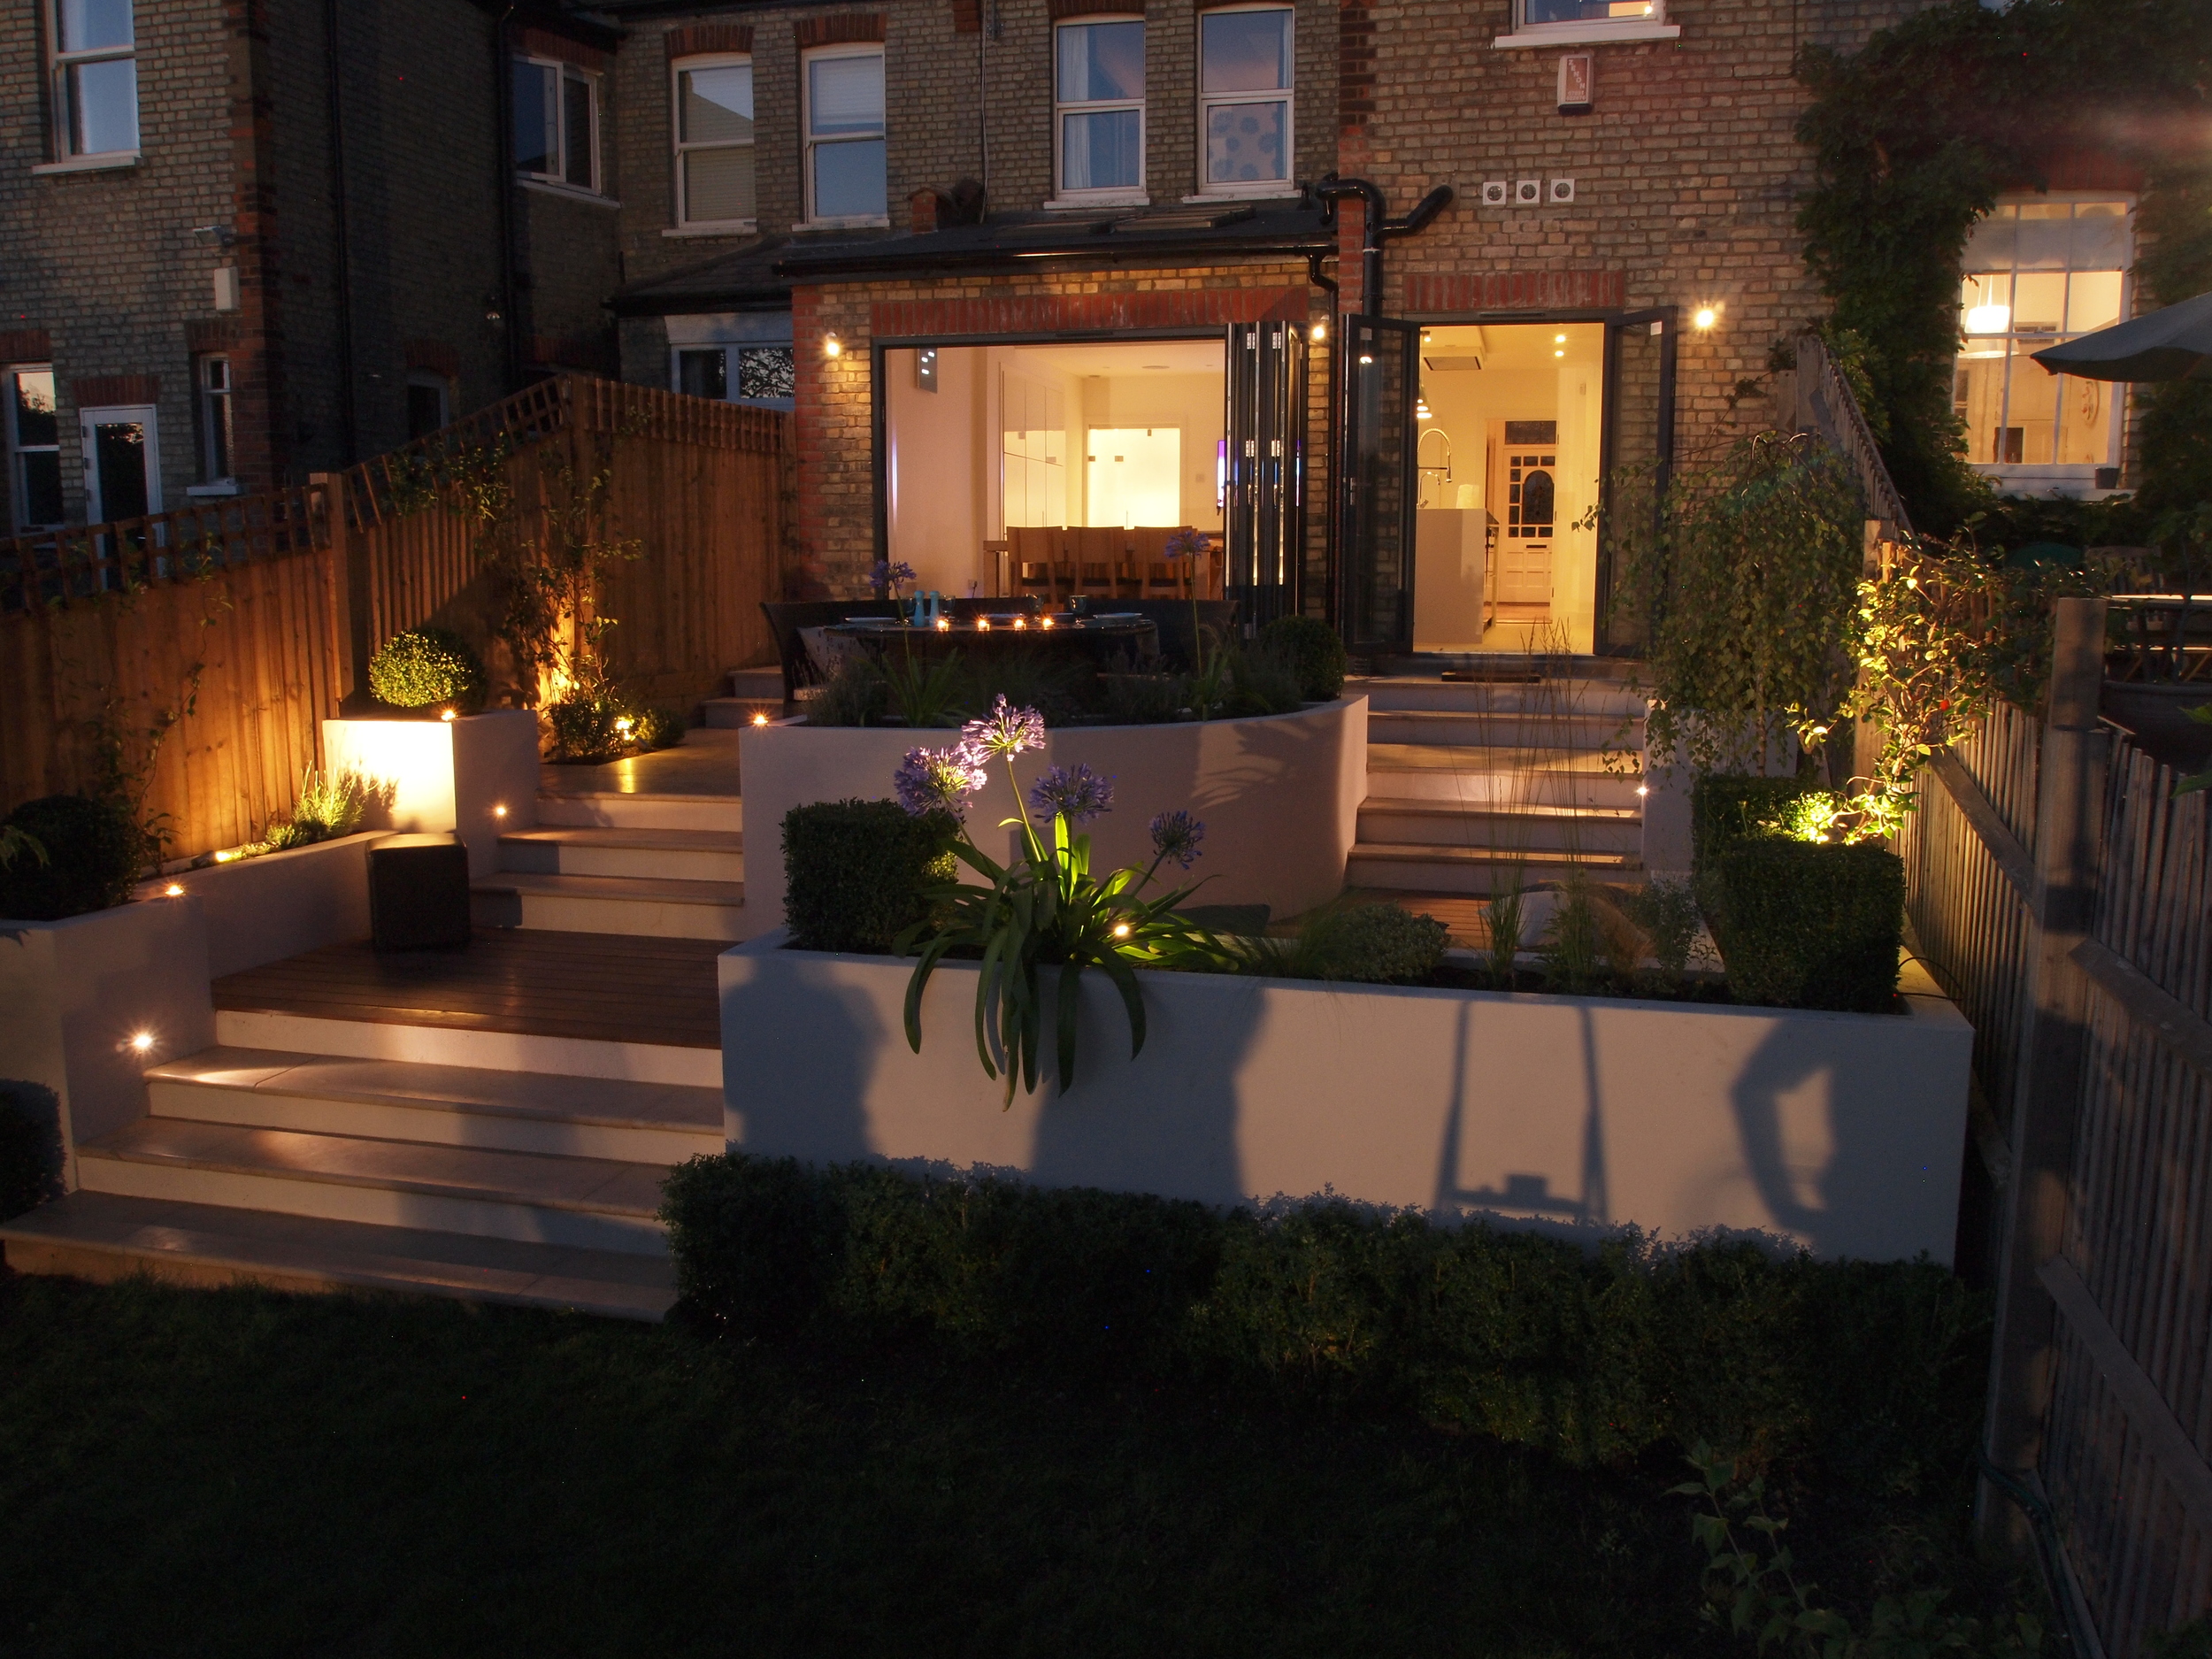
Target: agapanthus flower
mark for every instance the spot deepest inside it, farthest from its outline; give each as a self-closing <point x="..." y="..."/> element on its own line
<point x="1075" y="793"/>
<point x="890" y="574"/>
<point x="1186" y="543"/>
<point x="1176" y="835"/>
<point x="1006" y="730"/>
<point x="940" y="780"/>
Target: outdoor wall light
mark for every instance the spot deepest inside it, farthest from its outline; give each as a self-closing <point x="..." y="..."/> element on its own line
<point x="1317" y="332"/>
<point x="142" y="1042"/>
<point x="1365" y="361"/>
<point x="499" y="811"/>
<point x="1706" y="316"/>
<point x="832" y="346"/>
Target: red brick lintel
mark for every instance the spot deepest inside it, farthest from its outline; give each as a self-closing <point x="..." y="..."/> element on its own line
<point x="1518" y="291"/>
<point x="1074" y="313"/>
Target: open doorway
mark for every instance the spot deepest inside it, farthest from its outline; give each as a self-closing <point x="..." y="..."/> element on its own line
<point x="1508" y="429"/>
<point x="987" y="447"/>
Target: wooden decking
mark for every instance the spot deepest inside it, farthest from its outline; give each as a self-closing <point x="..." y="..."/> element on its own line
<point x="605" y="986"/>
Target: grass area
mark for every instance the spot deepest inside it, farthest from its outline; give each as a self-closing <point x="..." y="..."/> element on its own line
<point x="238" y="1472"/>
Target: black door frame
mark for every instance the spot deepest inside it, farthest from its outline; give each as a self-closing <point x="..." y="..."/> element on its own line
<point x="1345" y="480"/>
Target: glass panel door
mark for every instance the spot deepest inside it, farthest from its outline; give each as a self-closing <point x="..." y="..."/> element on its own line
<point x="1375" y="492"/>
<point x="122" y="467"/>
<point x="1638" y="456"/>
<point x="1263" y="514"/>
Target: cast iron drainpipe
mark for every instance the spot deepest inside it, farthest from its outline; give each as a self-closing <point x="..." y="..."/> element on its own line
<point x="1375" y="230"/>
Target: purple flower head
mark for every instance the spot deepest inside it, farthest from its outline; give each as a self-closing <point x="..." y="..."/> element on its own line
<point x="940" y="780"/>
<point x="1076" y="794"/>
<point x="1176" y="835"/>
<point x="1006" y="730"/>
<point x="888" y="575"/>
<point x="1186" y="543"/>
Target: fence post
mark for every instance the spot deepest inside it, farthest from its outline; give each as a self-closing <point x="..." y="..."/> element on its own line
<point x="352" y="598"/>
<point x="2069" y="807"/>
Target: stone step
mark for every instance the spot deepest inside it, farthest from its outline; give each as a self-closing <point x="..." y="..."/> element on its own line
<point x="463" y="1041"/>
<point x="1504" y="778"/>
<point x="1535" y="733"/>
<point x="447" y="1105"/>
<point x="1552" y="829"/>
<point x="611" y="904"/>
<point x="612" y="811"/>
<point x="107" y="1236"/>
<point x="1503" y="696"/>
<point x="758" y="684"/>
<point x="589" y="1203"/>
<point x="1472" y="870"/>
<point x="681" y="855"/>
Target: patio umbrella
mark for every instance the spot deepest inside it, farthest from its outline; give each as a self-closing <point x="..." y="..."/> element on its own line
<point x="2175" y="345"/>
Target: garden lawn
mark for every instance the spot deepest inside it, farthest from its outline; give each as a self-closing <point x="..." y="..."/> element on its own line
<point x="238" y="1472"/>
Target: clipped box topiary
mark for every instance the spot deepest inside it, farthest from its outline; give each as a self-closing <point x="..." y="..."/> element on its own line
<point x="853" y="872"/>
<point x="1316" y="650"/>
<point x="1810" y="924"/>
<point x="428" y="668"/>
<point x="94" y="851"/>
<point x="1725" y="810"/>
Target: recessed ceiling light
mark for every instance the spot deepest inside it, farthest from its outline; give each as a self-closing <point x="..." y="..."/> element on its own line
<point x="1155" y="365"/>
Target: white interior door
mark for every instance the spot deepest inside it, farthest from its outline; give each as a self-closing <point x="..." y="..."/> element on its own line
<point x="122" y="462"/>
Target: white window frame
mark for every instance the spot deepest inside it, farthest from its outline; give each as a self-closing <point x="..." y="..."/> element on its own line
<point x="807" y="60"/>
<point x="431" y="380"/>
<point x="1284" y="186"/>
<point x="207" y="409"/>
<point x="1586" y="31"/>
<point x="732" y="370"/>
<point x="563" y="73"/>
<point x="19" y="492"/>
<point x="1116" y="195"/>
<point x="59" y="63"/>
<point x="119" y="414"/>
<point x="677" y="69"/>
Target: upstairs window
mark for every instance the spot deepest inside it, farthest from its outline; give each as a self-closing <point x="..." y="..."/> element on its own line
<point x="714" y="142"/>
<point x="1244" y="85"/>
<point x="2038" y="273"/>
<point x="34" y="432"/>
<point x="846" y="175"/>
<point x="556" y="124"/>
<point x="1538" y="23"/>
<point x="96" y="78"/>
<point x="1099" y="105"/>
<point x="217" y="431"/>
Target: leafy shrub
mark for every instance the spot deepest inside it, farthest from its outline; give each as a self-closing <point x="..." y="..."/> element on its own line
<point x="1666" y="910"/>
<point x="30" y="1148"/>
<point x="922" y="692"/>
<point x="1263" y="679"/>
<point x="1725" y="809"/>
<point x="853" y="695"/>
<point x="584" y="729"/>
<point x="1872" y="1371"/>
<point x="1315" y="650"/>
<point x="854" y="870"/>
<point x="1805" y="926"/>
<point x="657" y="727"/>
<point x="428" y="667"/>
<point x="327" y="809"/>
<point x="1371" y="944"/>
<point x="94" y="852"/>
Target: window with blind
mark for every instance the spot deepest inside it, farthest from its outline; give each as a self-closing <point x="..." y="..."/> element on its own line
<point x="1244" y="87"/>
<point x="714" y="142"/>
<point x="846" y="169"/>
<point x="1099" y="104"/>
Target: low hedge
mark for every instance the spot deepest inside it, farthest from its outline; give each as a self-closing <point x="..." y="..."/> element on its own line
<point x="1870" y="1372"/>
<point x="1806" y="925"/>
<point x="1725" y="810"/>
<point x="94" y="853"/>
<point x="854" y="870"/>
<point x="1316" y="650"/>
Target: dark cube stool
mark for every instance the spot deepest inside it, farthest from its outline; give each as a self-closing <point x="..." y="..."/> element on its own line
<point x="419" y="893"/>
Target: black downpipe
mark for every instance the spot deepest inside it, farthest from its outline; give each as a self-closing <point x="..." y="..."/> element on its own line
<point x="1376" y="230"/>
<point x="503" y="106"/>
<point x="341" y="236"/>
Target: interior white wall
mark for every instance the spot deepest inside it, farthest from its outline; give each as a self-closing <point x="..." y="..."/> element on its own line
<point x="933" y="472"/>
<point x="1193" y="403"/>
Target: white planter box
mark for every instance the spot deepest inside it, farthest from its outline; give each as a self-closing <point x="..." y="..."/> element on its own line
<point x="74" y="994"/>
<point x="430" y="775"/>
<point x="1841" y="1131"/>
<point x="279" y="905"/>
<point x="1280" y="796"/>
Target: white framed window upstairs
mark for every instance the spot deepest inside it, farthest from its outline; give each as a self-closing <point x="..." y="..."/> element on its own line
<point x="1538" y="23"/>
<point x="1246" y="74"/>
<point x="556" y="124"/>
<point x="847" y="176"/>
<point x="94" y="64"/>
<point x="1098" y="109"/>
<point x="34" y="435"/>
<point x="713" y="103"/>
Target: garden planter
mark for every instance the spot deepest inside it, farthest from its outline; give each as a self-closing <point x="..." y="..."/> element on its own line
<point x="279" y="905"/>
<point x="76" y="994"/>
<point x="426" y="776"/>
<point x="1279" y="795"/>
<point x="1841" y="1133"/>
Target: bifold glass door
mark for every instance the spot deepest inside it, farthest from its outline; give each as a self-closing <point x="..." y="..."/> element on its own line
<point x="1375" y="492"/>
<point x="1264" y="485"/>
<point x="1639" y="455"/>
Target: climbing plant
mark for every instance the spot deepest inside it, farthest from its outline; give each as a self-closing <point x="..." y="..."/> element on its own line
<point x="1913" y="138"/>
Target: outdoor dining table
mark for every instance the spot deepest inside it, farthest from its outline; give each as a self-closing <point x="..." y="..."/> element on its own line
<point x="1105" y="640"/>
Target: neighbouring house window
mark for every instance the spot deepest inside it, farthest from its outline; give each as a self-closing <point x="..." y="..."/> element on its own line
<point x="2038" y="273"/>
<point x="218" y="435"/>
<point x="34" y="447"/>
<point x="1099" y="102"/>
<point x="1540" y="13"/>
<point x="1244" y="84"/>
<point x="122" y="457"/>
<point x="556" y="123"/>
<point x="737" y="374"/>
<point x="96" y="78"/>
<point x="845" y="164"/>
<point x="714" y="141"/>
<point x="429" y="405"/>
